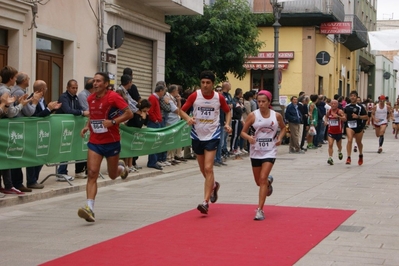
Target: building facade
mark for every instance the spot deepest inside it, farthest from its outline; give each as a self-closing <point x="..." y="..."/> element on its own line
<point x="384" y="64"/>
<point x="58" y="40"/>
<point x="322" y="63"/>
<point x="384" y="78"/>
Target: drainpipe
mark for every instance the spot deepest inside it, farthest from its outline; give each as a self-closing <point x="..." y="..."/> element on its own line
<point x="100" y="25"/>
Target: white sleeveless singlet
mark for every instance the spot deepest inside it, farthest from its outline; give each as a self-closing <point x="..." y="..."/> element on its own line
<point x="396" y="116"/>
<point x="381" y="115"/>
<point x="206" y="113"/>
<point x="265" y="133"/>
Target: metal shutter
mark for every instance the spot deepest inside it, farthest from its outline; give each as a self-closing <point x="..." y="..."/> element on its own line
<point x="137" y="53"/>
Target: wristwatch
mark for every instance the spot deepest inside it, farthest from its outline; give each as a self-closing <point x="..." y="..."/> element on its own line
<point x="113" y="122"/>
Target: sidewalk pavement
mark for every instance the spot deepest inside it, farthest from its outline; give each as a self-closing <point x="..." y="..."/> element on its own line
<point x="53" y="188"/>
<point x="40" y="230"/>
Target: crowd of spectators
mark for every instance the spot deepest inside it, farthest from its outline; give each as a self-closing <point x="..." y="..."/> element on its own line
<point x="304" y="117"/>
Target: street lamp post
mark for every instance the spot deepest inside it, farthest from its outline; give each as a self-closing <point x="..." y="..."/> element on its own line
<point x="277" y="8"/>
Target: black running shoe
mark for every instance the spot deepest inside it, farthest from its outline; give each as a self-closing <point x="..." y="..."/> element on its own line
<point x="214" y="195"/>
<point x="270" y="188"/>
<point x="203" y="208"/>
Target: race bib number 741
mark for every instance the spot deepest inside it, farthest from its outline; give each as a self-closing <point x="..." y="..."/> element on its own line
<point x="206" y="113"/>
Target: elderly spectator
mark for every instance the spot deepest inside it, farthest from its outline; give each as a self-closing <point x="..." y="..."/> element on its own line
<point x="294" y="118"/>
<point x="42" y="110"/>
<point x="70" y="105"/>
<point x="82" y="96"/>
<point x="155" y="121"/>
<point x="172" y="118"/>
<point x="22" y="83"/>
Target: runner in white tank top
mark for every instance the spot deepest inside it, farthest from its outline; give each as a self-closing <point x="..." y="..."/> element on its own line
<point x="206" y="113"/>
<point x="265" y="132"/>
<point x="263" y="145"/>
<point x="395" y="123"/>
<point x="205" y="132"/>
<point x="380" y="114"/>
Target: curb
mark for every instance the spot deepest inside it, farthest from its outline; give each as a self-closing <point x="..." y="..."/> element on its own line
<point x="35" y="195"/>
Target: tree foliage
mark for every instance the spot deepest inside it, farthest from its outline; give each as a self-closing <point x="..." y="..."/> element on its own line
<point x="219" y="40"/>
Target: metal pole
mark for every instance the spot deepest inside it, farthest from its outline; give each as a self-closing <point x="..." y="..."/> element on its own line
<point x="276" y="96"/>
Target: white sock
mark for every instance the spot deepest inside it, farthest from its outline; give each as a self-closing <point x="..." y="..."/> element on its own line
<point x="90" y="203"/>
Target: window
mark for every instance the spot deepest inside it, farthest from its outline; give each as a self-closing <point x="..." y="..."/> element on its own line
<point x="49" y="65"/>
<point x="262" y="80"/>
<point x="3" y="48"/>
<point x="3" y="37"/>
<point x="49" y="45"/>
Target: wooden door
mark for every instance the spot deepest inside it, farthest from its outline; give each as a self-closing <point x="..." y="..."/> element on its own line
<point x="49" y="67"/>
<point x="3" y="56"/>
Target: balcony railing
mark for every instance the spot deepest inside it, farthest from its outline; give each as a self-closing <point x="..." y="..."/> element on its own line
<point x="357" y="27"/>
<point x="358" y="38"/>
<point x="328" y="7"/>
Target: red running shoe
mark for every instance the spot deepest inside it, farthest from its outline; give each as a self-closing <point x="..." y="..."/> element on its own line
<point x="360" y="162"/>
<point x="348" y="161"/>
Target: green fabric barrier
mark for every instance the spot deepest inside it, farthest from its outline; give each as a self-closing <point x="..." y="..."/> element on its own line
<point x="31" y="141"/>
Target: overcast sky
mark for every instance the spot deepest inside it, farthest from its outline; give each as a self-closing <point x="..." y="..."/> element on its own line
<point x="387" y="9"/>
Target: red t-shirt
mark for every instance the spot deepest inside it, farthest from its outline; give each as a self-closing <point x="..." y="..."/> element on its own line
<point x="334" y="124"/>
<point x="154" y="114"/>
<point x="191" y="99"/>
<point x="104" y="108"/>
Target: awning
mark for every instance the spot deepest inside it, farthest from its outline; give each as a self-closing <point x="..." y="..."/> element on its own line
<point x="265" y="64"/>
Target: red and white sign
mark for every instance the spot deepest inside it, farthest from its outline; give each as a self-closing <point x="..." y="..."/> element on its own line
<point x="265" y="60"/>
<point x="336" y="28"/>
<point x="270" y="55"/>
<point x="265" y="65"/>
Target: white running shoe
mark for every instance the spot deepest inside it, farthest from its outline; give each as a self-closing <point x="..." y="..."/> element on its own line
<point x="166" y="163"/>
<point x="125" y="171"/>
<point x="236" y="152"/>
<point x="260" y="215"/>
<point x="64" y="178"/>
<point x="132" y="169"/>
<point x="161" y="164"/>
<point x="81" y="175"/>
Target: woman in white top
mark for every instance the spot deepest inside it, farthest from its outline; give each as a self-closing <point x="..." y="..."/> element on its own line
<point x="264" y="124"/>
<point x="395" y="123"/>
<point x="380" y="114"/>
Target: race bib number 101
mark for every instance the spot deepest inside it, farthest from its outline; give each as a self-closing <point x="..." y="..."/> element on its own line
<point x="264" y="144"/>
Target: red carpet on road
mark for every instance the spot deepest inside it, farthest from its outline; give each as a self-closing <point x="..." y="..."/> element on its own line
<point x="228" y="235"/>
